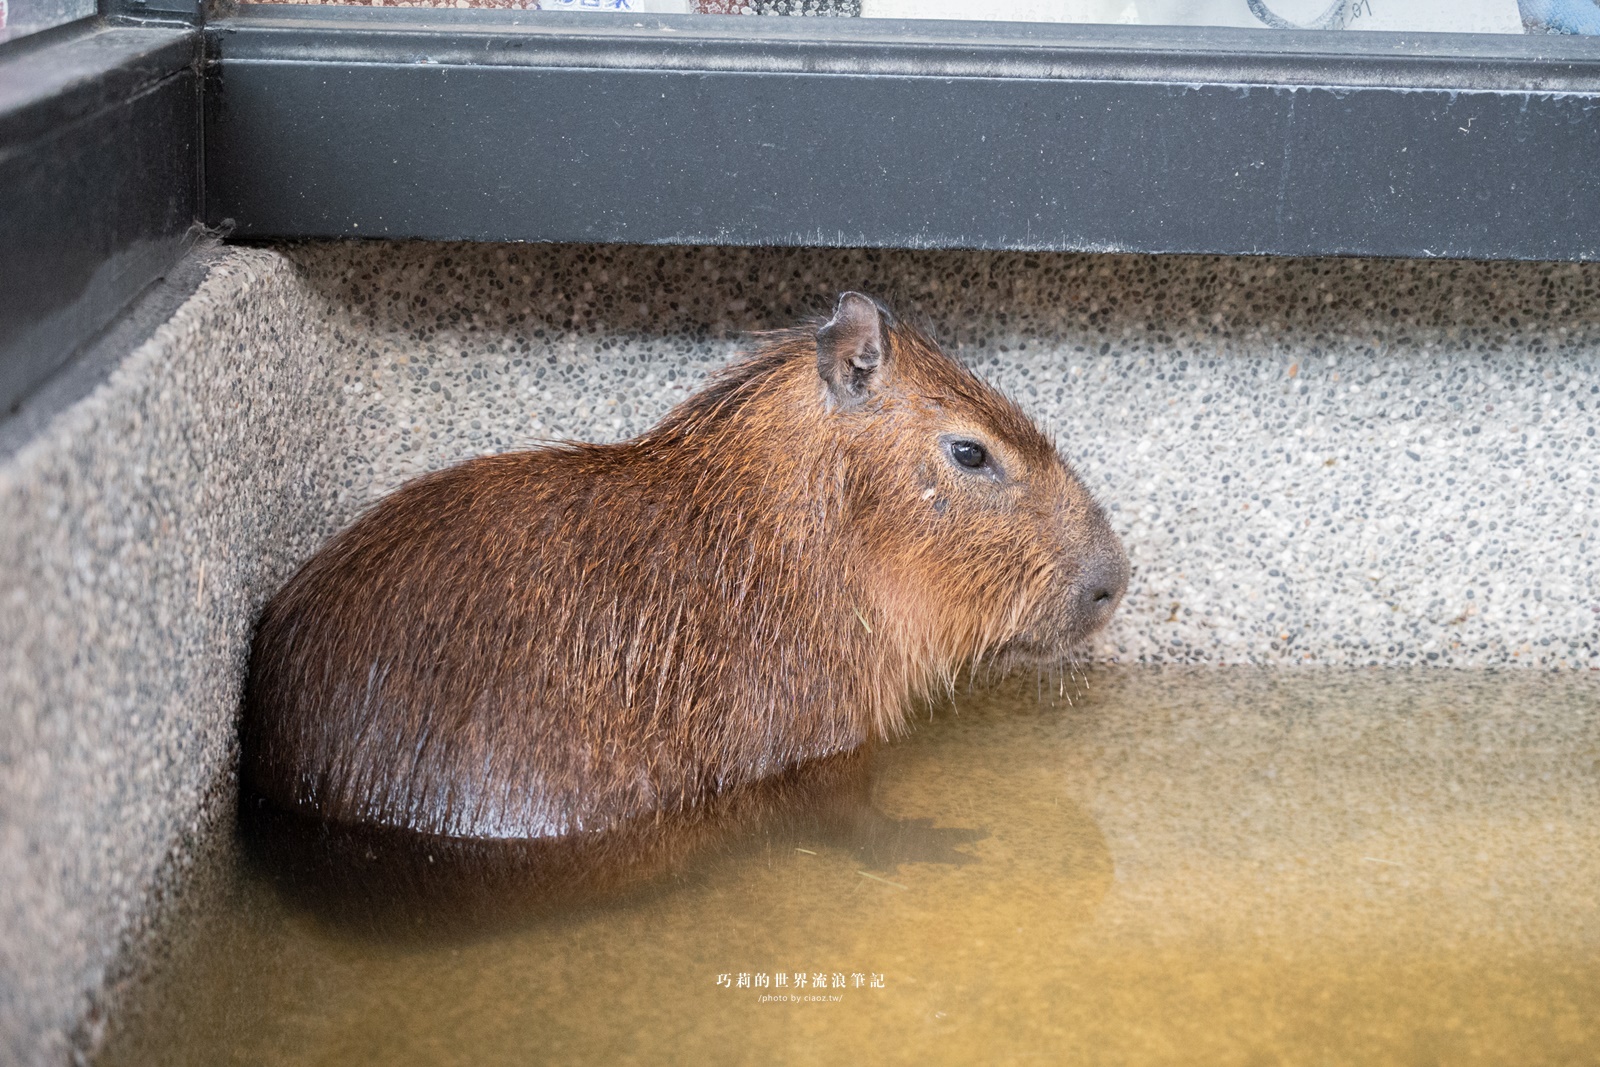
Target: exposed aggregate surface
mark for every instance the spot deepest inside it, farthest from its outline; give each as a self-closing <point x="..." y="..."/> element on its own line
<point x="1331" y="461"/>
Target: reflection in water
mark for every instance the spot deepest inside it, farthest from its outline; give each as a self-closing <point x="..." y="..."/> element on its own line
<point x="1223" y="866"/>
<point x="390" y="883"/>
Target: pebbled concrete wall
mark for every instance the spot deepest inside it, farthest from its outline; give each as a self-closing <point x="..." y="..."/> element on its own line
<point x="1332" y="461"/>
<point x="1312" y="461"/>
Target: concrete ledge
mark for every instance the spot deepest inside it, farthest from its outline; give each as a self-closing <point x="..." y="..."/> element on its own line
<point x="142" y="528"/>
<point x="1333" y="462"/>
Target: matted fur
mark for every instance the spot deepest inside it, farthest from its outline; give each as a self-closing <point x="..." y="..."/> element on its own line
<point x="546" y="642"/>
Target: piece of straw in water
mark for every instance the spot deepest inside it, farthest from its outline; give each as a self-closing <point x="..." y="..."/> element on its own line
<point x="885" y="881"/>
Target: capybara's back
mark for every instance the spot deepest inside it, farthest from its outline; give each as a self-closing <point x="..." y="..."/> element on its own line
<point x="546" y="642"/>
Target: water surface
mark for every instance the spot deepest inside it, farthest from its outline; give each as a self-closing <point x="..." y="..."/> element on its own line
<point x="1180" y="866"/>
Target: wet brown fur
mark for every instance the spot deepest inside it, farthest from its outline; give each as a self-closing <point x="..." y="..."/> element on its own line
<point x="542" y="643"/>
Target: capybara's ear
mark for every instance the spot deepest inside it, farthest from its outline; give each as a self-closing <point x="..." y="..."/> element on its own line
<point x="853" y="349"/>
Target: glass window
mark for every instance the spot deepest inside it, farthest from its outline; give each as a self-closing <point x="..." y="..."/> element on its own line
<point x="19" y="17"/>
<point x="1442" y="16"/>
<point x="1449" y="16"/>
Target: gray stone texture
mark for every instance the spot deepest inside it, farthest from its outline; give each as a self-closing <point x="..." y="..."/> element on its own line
<point x="1320" y="461"/>
<point x="1311" y="461"/>
<point x="141" y="531"/>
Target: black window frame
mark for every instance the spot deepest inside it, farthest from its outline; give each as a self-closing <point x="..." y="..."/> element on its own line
<point x="121" y="135"/>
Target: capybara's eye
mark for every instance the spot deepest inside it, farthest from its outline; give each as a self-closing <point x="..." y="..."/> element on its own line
<point x="968" y="453"/>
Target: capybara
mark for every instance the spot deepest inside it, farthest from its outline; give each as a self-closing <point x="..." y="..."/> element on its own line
<point x="552" y="642"/>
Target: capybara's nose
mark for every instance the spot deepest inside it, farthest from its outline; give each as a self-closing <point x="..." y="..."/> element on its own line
<point x="1102" y="581"/>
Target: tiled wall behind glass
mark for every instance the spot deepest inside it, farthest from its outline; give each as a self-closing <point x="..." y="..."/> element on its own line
<point x="1447" y="16"/>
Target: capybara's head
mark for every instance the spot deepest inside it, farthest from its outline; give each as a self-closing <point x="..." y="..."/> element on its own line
<point x="986" y="536"/>
<point x="974" y="536"/>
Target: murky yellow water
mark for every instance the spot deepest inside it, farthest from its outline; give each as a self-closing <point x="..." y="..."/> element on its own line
<point x="1220" y="867"/>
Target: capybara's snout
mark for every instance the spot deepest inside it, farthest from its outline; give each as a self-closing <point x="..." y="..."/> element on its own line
<point x="1101" y="580"/>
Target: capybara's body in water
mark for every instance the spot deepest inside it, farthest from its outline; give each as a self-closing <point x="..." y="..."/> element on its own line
<point x="543" y="643"/>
